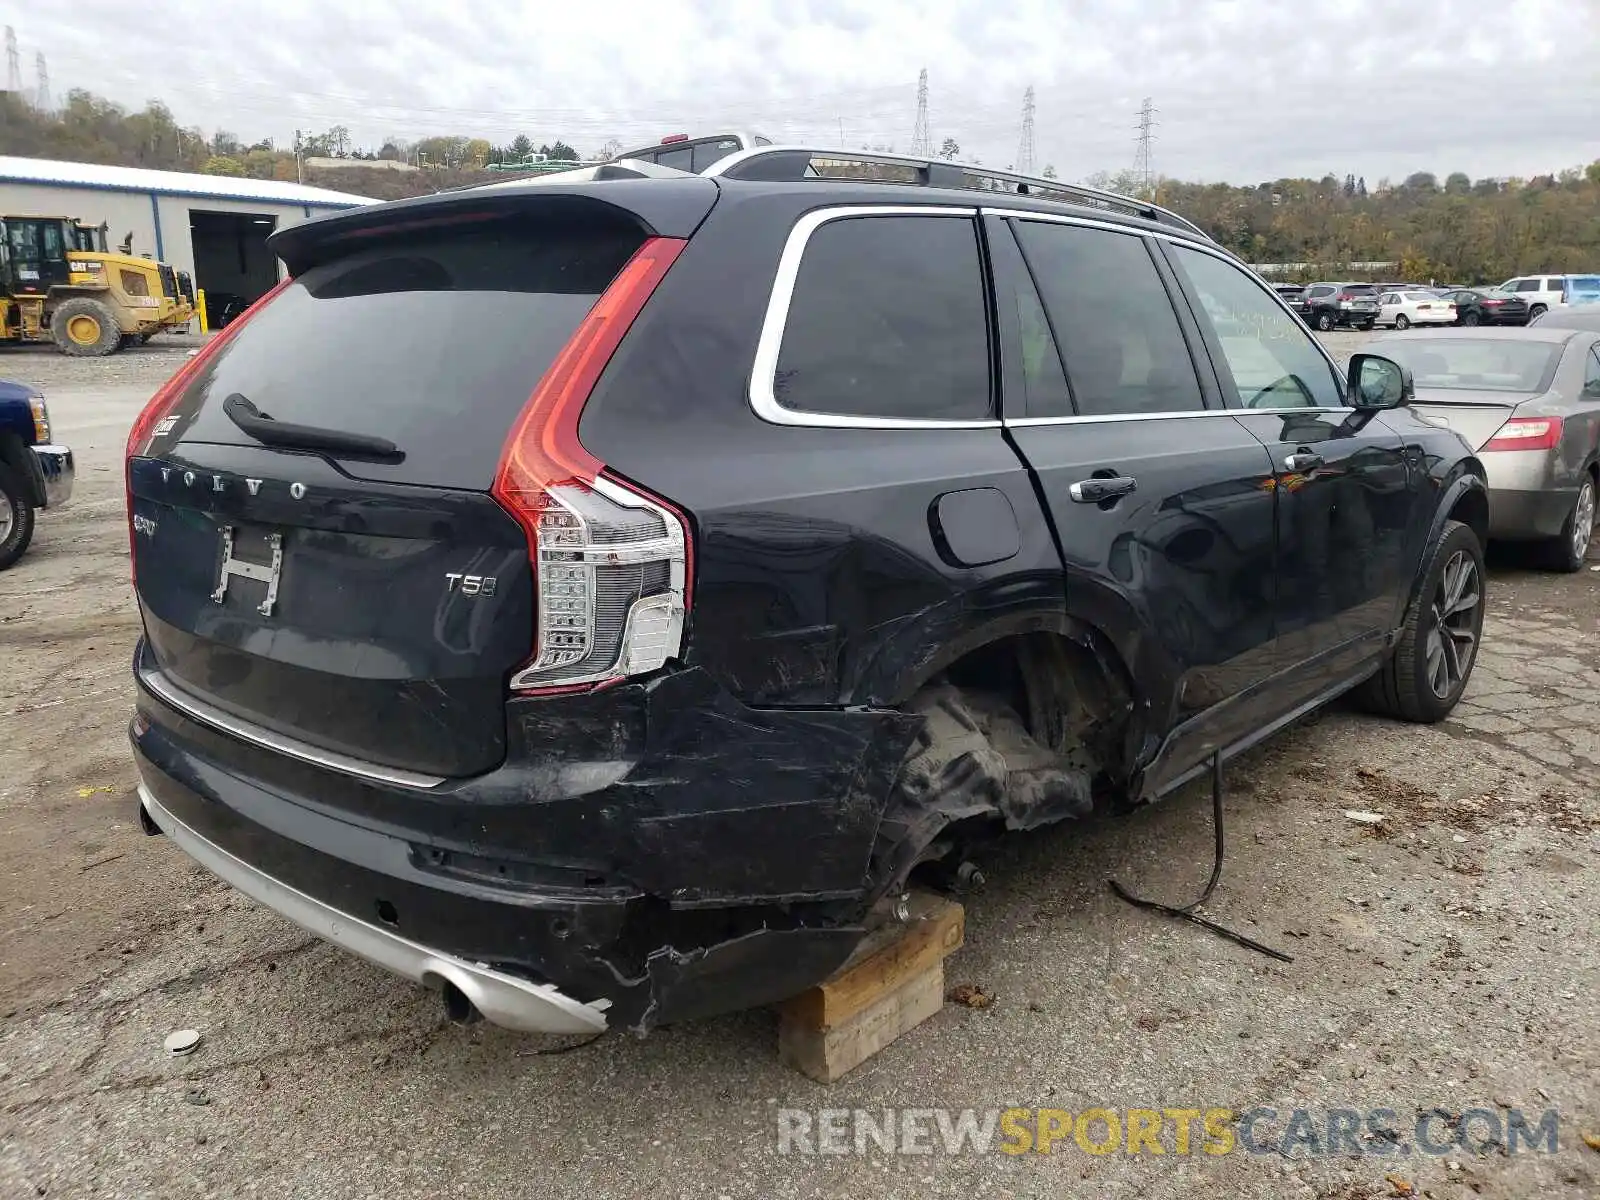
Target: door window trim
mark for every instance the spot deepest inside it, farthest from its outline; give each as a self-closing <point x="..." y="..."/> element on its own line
<point x="763" y="374"/>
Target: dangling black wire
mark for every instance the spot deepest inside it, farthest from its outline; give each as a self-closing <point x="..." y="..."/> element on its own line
<point x="1186" y="912"/>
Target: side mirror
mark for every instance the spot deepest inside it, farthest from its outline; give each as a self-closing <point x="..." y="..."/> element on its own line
<point x="1375" y="383"/>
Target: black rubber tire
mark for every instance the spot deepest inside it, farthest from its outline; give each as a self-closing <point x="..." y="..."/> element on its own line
<point x="1559" y="554"/>
<point x="1538" y="310"/>
<point x="82" y="306"/>
<point x="13" y="502"/>
<point x="1471" y="318"/>
<point x="1326" y="322"/>
<point x="1400" y="689"/>
<point x="1401" y="321"/>
<point x="1366" y="326"/>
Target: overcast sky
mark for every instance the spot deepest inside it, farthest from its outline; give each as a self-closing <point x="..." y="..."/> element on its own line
<point x="1246" y="90"/>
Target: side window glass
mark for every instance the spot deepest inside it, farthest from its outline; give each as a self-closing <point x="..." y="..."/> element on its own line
<point x="1274" y="361"/>
<point x="888" y="319"/>
<point x="1122" y="345"/>
<point x="1591" y="375"/>
<point x="1044" y="384"/>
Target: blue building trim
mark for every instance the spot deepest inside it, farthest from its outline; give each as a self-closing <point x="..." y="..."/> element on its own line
<point x="153" y="192"/>
<point x="155" y="215"/>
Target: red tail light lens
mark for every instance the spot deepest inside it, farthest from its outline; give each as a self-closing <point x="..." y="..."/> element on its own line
<point x="610" y="561"/>
<point x="1492" y="303"/>
<point x="143" y="432"/>
<point x="1527" y="433"/>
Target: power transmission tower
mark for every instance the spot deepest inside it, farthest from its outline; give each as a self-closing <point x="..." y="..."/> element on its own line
<point x="1025" y="146"/>
<point x="1141" y="160"/>
<point x="921" y="142"/>
<point x="13" y="63"/>
<point x="43" y="72"/>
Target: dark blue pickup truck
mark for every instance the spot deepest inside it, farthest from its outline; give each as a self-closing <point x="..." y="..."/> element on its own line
<point x="34" y="472"/>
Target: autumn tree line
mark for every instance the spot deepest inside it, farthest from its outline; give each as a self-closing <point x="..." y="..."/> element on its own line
<point x="1458" y="229"/>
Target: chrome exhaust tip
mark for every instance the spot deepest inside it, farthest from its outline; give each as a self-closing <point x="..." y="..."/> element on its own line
<point x="457" y="1007"/>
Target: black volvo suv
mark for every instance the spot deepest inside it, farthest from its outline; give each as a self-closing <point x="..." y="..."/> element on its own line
<point x="594" y="597"/>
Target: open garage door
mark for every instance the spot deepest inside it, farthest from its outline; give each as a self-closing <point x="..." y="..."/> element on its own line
<point x="232" y="264"/>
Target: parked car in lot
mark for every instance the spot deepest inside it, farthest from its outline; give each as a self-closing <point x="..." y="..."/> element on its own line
<point x="1489" y="306"/>
<point x="1544" y="292"/>
<point x="1330" y="305"/>
<point x="1401" y="310"/>
<point x="1528" y="401"/>
<point x="837" y="535"/>
<point x="35" y="472"/>
<point x="1584" y="317"/>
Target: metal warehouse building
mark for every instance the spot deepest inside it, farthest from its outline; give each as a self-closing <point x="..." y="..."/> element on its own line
<point x="212" y="226"/>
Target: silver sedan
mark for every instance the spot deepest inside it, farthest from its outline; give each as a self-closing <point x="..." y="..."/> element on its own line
<point x="1528" y="401"/>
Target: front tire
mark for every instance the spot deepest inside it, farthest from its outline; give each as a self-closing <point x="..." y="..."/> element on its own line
<point x="85" y="328"/>
<point x="16" y="518"/>
<point x="1567" y="552"/>
<point x="1538" y="310"/>
<point x="1402" y="321"/>
<point x="1325" y="322"/>
<point x="1433" y="660"/>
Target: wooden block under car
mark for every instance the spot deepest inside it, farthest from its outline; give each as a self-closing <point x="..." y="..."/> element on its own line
<point x="891" y="984"/>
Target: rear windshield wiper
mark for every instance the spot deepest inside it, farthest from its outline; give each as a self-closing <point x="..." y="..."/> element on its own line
<point x="270" y="432"/>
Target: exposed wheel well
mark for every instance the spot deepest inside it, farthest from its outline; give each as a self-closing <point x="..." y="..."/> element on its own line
<point x="1021" y="732"/>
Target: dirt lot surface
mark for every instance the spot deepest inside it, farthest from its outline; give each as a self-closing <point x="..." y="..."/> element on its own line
<point x="1443" y="959"/>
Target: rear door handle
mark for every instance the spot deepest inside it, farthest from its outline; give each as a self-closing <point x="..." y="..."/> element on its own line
<point x="1094" y="491"/>
<point x="1303" y="461"/>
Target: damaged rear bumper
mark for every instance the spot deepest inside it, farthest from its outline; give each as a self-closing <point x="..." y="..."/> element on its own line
<point x="723" y="865"/>
<point x="503" y="999"/>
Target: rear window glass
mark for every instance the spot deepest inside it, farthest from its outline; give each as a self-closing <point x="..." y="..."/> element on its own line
<point x="706" y="153"/>
<point x="1583" y="289"/>
<point x="1476" y="364"/>
<point x="435" y="342"/>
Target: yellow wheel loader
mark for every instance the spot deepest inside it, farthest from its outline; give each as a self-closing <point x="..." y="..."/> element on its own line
<point x="59" y="283"/>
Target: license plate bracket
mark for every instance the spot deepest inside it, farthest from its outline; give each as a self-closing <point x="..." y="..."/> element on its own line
<point x="268" y="573"/>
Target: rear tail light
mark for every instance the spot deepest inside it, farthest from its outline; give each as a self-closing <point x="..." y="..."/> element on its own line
<point x="1527" y="433"/>
<point x="611" y="563"/>
<point x="146" y="426"/>
<point x="1492" y="303"/>
<point x="1345" y="296"/>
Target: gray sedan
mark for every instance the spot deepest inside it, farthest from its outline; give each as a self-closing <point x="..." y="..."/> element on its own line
<point x="1528" y="401"/>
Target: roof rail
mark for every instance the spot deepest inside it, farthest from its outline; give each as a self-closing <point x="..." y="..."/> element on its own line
<point x="782" y="164"/>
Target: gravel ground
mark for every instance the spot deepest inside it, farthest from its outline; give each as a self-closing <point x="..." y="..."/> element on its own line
<point x="1444" y="959"/>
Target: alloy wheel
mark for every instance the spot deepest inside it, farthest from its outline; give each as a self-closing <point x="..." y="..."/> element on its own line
<point x="1453" y="636"/>
<point x="7" y="517"/>
<point x="1582" y="521"/>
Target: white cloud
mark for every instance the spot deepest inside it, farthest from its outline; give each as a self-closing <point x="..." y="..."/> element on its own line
<point x="1246" y="89"/>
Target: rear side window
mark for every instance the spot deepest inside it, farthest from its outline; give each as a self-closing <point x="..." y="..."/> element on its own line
<point x="888" y="319"/>
<point x="1320" y="292"/>
<point x="1591" y="374"/>
<point x="433" y="340"/>
<point x="1121" y="342"/>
